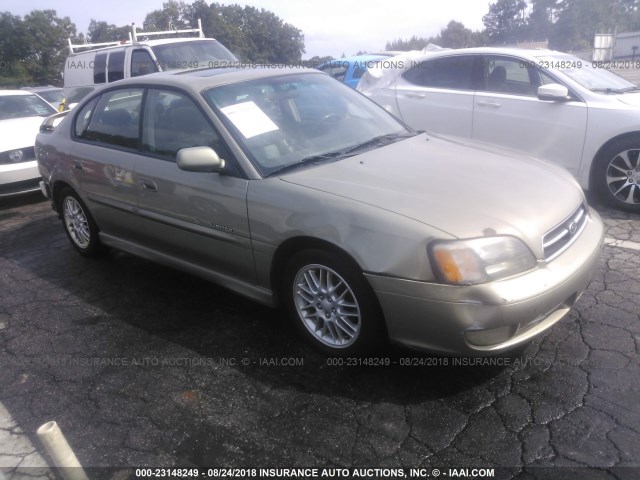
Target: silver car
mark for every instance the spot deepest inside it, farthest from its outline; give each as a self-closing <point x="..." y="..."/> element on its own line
<point x="292" y="189"/>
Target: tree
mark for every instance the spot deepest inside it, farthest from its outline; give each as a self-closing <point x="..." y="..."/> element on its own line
<point x="505" y="20"/>
<point x="100" y="32"/>
<point x="454" y="35"/>
<point x="253" y="35"/>
<point x="33" y="49"/>
<point x="13" y="51"/>
<point x="578" y="22"/>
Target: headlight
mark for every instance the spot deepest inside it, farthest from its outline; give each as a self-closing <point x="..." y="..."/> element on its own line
<point x="480" y="260"/>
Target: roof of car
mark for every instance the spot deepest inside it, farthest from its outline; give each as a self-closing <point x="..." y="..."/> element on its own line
<point x="198" y="79"/>
<point x="41" y="89"/>
<point x="14" y="92"/>
<point x="358" y="58"/>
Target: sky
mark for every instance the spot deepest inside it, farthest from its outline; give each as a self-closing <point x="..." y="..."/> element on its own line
<point x="330" y="27"/>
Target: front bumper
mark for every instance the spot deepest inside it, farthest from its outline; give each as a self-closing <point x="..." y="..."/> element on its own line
<point x="491" y="318"/>
<point x="19" y="178"/>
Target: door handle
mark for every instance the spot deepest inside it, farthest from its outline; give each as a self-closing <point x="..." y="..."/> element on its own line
<point x="415" y="95"/>
<point x="148" y="184"/>
<point x="489" y="104"/>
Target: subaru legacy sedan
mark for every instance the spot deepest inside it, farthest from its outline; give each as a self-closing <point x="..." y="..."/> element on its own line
<point x="572" y="112"/>
<point x="292" y="189"/>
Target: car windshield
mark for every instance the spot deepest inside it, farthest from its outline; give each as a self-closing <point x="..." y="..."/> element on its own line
<point x="19" y="106"/>
<point x="587" y="74"/>
<point x="193" y="54"/>
<point x="54" y="97"/>
<point x="291" y="120"/>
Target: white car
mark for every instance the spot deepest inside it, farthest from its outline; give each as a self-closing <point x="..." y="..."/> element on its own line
<point x="548" y="104"/>
<point x="21" y="114"/>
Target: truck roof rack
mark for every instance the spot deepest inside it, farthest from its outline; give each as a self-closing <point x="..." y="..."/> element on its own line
<point x="133" y="37"/>
<point x="135" y="32"/>
<point x="91" y="46"/>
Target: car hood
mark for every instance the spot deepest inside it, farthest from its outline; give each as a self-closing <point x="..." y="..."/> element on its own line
<point x="632" y="99"/>
<point x="462" y="188"/>
<point x="19" y="132"/>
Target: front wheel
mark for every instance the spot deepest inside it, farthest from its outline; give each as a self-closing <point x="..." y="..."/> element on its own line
<point x="617" y="173"/>
<point x="331" y="304"/>
<point x="79" y="224"/>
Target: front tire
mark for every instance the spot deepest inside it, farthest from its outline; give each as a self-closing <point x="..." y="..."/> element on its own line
<point x="79" y="224"/>
<point x="331" y="304"/>
<point x="617" y="174"/>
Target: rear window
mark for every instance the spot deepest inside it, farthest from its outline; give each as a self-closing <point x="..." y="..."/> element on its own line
<point x="100" y="68"/>
<point x="116" y="66"/>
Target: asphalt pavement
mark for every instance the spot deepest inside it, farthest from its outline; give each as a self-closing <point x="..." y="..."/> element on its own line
<point x="144" y="366"/>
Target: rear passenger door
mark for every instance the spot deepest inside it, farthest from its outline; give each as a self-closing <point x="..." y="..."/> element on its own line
<point x="437" y="94"/>
<point x="195" y="217"/>
<point x="106" y="134"/>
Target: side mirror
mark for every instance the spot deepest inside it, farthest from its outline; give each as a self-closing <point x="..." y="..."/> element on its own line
<point x="554" y="92"/>
<point x="199" y="159"/>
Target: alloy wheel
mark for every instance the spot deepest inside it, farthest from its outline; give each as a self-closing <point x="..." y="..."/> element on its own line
<point x="327" y="306"/>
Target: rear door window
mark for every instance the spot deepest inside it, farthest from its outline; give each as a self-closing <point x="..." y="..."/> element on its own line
<point x="453" y="72"/>
<point x="116" y="119"/>
<point x="115" y="67"/>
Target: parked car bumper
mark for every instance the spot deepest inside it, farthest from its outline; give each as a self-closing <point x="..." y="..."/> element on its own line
<point x="19" y="178"/>
<point x="491" y="318"/>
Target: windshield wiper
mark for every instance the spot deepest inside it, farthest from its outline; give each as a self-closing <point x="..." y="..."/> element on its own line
<point x="312" y="160"/>
<point x="380" y="141"/>
<point x="616" y="90"/>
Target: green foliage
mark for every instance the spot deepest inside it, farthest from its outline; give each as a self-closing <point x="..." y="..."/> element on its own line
<point x="455" y="35"/>
<point x="254" y="35"/>
<point x="33" y="49"/>
<point x="100" y="32"/>
<point x="505" y="20"/>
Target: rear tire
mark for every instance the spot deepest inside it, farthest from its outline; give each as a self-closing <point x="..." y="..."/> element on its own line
<point x="617" y="174"/>
<point x="331" y="304"/>
<point x="79" y="224"/>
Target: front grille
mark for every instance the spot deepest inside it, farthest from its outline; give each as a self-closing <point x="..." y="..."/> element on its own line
<point x="556" y="240"/>
<point x="28" y="154"/>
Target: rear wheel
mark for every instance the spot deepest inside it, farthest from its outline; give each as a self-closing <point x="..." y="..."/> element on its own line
<point x="331" y="303"/>
<point x="79" y="224"/>
<point x="618" y="174"/>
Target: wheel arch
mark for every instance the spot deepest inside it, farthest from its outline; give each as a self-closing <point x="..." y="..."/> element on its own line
<point x="56" y="189"/>
<point x="606" y="145"/>
<point x="294" y="245"/>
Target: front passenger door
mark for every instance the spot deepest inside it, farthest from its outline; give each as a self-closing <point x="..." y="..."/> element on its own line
<point x="195" y="217"/>
<point x="508" y="112"/>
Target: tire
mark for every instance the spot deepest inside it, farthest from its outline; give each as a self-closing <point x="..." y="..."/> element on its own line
<point x="331" y="304"/>
<point x="617" y="174"/>
<point x="79" y="224"/>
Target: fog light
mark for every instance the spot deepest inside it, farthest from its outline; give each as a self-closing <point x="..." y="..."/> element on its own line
<point x="16" y="156"/>
<point x="491" y="336"/>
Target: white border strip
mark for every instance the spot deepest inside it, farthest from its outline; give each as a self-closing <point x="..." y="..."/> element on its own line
<point x="612" y="242"/>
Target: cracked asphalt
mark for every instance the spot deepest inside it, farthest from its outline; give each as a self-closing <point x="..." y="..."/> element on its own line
<point x="141" y="365"/>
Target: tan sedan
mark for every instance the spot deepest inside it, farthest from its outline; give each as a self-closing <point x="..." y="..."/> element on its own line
<point x="292" y="189"/>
